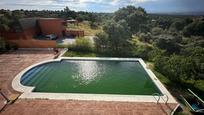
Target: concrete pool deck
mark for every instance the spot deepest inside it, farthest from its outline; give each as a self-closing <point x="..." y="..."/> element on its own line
<point x="19" y="60"/>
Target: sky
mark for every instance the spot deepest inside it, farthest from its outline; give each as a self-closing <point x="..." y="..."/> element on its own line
<point x="151" y="6"/>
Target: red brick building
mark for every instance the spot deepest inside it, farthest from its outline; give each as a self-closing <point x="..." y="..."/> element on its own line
<point x="52" y="26"/>
<point x="30" y="27"/>
<point x="57" y="26"/>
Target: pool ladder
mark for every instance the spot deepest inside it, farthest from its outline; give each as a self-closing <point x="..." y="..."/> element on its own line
<point x="160" y="97"/>
<point x="169" y="111"/>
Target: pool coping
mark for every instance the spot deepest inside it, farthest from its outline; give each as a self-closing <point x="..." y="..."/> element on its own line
<point x="28" y="94"/>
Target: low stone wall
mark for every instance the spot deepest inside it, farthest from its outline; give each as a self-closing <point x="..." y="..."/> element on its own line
<point x="34" y="43"/>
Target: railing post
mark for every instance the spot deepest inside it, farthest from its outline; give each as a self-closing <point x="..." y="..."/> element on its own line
<point x="167" y="98"/>
<point x="156" y="94"/>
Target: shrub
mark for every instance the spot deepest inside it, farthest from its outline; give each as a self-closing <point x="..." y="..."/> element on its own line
<point x="7" y="46"/>
<point x="2" y="44"/>
<point x="157" y="31"/>
<point x="168" y="43"/>
<point x="101" y="42"/>
<point x="154" y="53"/>
<point x="195" y="28"/>
<point x="143" y="50"/>
<point x="140" y="50"/>
<point x="81" y="44"/>
<point x="178" y="68"/>
<point x="93" y="25"/>
<point x="145" y="37"/>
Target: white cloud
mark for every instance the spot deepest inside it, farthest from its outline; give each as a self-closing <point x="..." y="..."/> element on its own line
<point x="72" y="4"/>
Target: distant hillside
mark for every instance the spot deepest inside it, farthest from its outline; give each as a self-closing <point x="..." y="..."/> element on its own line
<point x="181" y="13"/>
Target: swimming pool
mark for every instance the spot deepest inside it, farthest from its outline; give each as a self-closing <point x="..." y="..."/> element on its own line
<point x="90" y="76"/>
<point x="102" y="79"/>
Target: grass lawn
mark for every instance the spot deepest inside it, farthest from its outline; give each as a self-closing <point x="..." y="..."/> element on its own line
<point x="88" y="31"/>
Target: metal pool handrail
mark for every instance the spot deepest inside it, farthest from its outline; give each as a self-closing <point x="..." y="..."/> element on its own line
<point x="156" y="94"/>
<point x="159" y="96"/>
<point x="167" y="98"/>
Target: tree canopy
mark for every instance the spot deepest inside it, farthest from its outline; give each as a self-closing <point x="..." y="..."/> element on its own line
<point x="134" y="17"/>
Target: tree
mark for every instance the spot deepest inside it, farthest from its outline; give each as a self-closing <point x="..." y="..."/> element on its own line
<point x="116" y="37"/>
<point x="80" y="18"/>
<point x="177" y="25"/>
<point x="68" y="14"/>
<point x="122" y="13"/>
<point x="4" y="23"/>
<point x="155" y="53"/>
<point x="157" y="31"/>
<point x="197" y="56"/>
<point x="9" y="21"/>
<point x="18" y="14"/>
<point x="176" y="68"/>
<point x="164" y="22"/>
<point x="160" y="63"/>
<point x="101" y="42"/>
<point x="169" y="43"/>
<point x="145" y="37"/>
<point x="66" y="9"/>
<point x="133" y="16"/>
<point x="195" y="28"/>
<point x="118" y="34"/>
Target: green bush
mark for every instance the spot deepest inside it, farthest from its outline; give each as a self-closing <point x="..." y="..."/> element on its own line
<point x="141" y="50"/>
<point x="195" y="28"/>
<point x="178" y="68"/>
<point x="81" y="44"/>
<point x="101" y="42"/>
<point x="168" y="43"/>
<point x="7" y="46"/>
<point x="145" y="37"/>
<point x="154" y="53"/>
<point x="2" y="44"/>
<point x="93" y="25"/>
<point x="157" y="31"/>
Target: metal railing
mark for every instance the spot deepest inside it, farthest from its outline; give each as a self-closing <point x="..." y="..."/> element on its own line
<point x="160" y="97"/>
<point x="167" y="98"/>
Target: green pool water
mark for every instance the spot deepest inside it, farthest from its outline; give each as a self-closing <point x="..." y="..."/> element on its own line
<point x="95" y="77"/>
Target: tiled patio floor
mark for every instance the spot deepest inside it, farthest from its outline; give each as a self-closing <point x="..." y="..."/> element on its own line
<point x="13" y="62"/>
<point x="60" y="107"/>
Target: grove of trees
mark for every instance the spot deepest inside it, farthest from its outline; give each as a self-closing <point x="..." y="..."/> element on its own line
<point x="175" y="44"/>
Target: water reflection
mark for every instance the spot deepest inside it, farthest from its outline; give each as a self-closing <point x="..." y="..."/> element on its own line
<point x="88" y="71"/>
